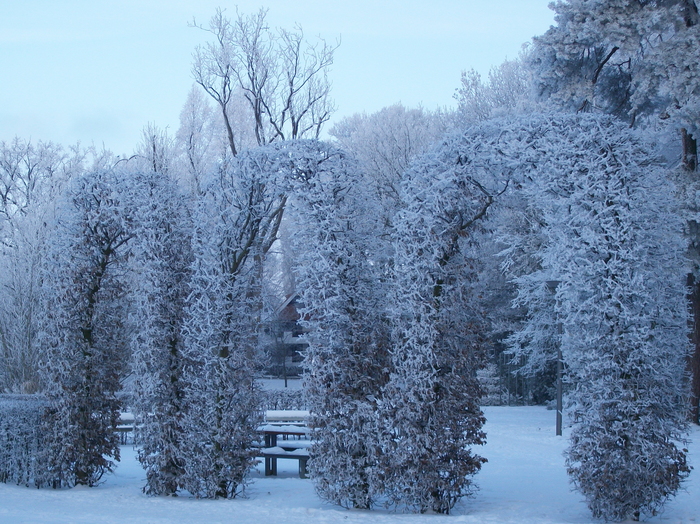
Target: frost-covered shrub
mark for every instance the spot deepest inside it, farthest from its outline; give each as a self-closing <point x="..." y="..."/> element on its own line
<point x="430" y="409"/>
<point x="391" y="362"/>
<point x="612" y="243"/>
<point x="235" y="224"/>
<point x="283" y="399"/>
<point x="339" y="275"/>
<point x="160" y="273"/>
<point x="83" y="335"/>
<point x="22" y="439"/>
<point x="616" y="247"/>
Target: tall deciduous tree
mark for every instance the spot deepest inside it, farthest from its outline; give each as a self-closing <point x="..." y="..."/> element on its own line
<point x="386" y="142"/>
<point x="431" y="403"/>
<point x="509" y="89"/>
<point x="156" y="152"/>
<point x="198" y="141"/>
<point x="83" y="339"/>
<point x="30" y="178"/>
<point x="235" y="225"/>
<point x="159" y="270"/>
<point x="608" y="228"/>
<point x="343" y="285"/>
<point x="281" y="76"/>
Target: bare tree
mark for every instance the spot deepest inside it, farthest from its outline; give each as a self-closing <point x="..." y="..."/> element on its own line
<point x="197" y="138"/>
<point x="386" y="142"/>
<point x="281" y="76"/>
<point x="156" y="150"/>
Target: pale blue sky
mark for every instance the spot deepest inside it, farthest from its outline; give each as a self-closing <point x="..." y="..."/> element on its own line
<point x="97" y="71"/>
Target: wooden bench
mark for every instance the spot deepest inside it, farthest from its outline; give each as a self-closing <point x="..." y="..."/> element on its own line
<point x="286" y="437"/>
<point x="293" y="417"/>
<point x="272" y="454"/>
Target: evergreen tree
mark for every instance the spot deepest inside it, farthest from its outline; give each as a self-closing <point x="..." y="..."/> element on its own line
<point x="629" y="59"/>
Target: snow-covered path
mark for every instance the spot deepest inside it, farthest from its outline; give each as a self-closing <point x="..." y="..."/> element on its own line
<point x="524" y="482"/>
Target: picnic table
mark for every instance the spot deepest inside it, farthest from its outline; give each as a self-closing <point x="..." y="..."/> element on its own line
<point x="286" y="436"/>
<point x="125" y="426"/>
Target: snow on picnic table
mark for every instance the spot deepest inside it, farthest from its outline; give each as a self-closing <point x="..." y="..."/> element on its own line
<point x="524" y="482"/>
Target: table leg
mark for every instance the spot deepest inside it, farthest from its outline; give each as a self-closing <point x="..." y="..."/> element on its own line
<point x="271" y="466"/>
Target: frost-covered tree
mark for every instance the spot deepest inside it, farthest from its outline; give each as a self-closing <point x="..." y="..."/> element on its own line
<point x="20" y="306"/>
<point x="83" y="340"/>
<point x="197" y="140"/>
<point x="431" y="403"/>
<point x="159" y="278"/>
<point x="386" y="142"/>
<point x="156" y="151"/>
<point x="281" y="77"/>
<point x="532" y="346"/>
<point x="342" y="282"/>
<point x="30" y="177"/>
<point x="509" y="89"/>
<point x="638" y="61"/>
<point x="235" y="225"/>
<point x="608" y="228"/>
<point x="630" y="337"/>
<point x="629" y="59"/>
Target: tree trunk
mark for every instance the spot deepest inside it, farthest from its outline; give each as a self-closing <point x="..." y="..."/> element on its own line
<point x="690" y="13"/>
<point x="229" y="130"/>
<point x="690" y="150"/>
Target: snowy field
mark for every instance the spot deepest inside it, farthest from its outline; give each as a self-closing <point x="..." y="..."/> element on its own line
<point x="523" y="482"/>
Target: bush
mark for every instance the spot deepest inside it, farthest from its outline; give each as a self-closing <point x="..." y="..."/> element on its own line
<point x="21" y="439"/>
<point x="283" y="399"/>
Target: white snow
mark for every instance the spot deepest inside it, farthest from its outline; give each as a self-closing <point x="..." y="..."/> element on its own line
<point x="286" y="415"/>
<point x="278" y="384"/>
<point x="524" y="482"/>
<point x="286" y="429"/>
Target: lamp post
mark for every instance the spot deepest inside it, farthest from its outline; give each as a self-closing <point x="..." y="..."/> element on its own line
<point x="552" y="287"/>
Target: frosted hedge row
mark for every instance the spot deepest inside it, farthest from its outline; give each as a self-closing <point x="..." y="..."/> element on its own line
<point x="284" y="399"/>
<point x="22" y="433"/>
<point x="21" y="438"/>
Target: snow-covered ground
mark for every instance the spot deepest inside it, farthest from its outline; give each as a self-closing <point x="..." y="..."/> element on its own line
<point x="524" y="482"/>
